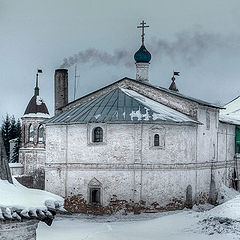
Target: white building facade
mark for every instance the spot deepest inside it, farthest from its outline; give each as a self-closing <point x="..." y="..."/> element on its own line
<point x="132" y="146"/>
<point x="130" y="164"/>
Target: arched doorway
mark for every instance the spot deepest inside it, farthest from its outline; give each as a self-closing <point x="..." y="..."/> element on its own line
<point x="95" y="192"/>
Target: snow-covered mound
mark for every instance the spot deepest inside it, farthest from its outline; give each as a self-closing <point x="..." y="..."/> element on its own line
<point x="224" y="218"/>
<point x="17" y="202"/>
<point x="225" y="194"/>
<point x="229" y="209"/>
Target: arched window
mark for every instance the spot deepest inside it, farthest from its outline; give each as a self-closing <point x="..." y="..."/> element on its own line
<point x="156" y="140"/>
<point x="30" y="133"/>
<point x="40" y="133"/>
<point x="97" y="134"/>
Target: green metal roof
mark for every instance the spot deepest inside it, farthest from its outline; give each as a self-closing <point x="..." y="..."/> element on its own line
<point x="121" y="105"/>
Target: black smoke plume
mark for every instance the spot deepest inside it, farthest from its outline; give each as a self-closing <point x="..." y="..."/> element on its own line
<point x="189" y="47"/>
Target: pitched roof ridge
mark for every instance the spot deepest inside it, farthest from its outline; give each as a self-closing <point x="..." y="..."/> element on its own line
<point x="178" y="94"/>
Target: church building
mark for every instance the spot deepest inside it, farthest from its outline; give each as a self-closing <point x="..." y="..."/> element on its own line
<point x="129" y="145"/>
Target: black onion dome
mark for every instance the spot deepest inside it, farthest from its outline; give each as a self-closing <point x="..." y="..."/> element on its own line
<point x="142" y="55"/>
<point x="36" y="105"/>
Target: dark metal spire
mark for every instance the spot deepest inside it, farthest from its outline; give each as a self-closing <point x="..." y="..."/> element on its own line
<point x="36" y="89"/>
<point x="173" y="86"/>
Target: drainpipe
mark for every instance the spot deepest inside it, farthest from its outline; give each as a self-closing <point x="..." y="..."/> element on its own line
<point x="196" y="156"/>
<point x="141" y="161"/>
<point x="66" y="163"/>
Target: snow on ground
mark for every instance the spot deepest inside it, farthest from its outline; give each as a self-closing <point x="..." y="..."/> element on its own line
<point x="17" y="196"/>
<point x="181" y="225"/>
<point x="225" y="194"/>
<point x="204" y="222"/>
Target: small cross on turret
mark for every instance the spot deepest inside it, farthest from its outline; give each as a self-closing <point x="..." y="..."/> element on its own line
<point x="142" y="27"/>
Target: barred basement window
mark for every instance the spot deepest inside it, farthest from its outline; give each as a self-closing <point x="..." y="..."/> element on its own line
<point x="98" y="135"/>
<point x="156" y="140"/>
<point x="40" y="133"/>
<point x="31" y="133"/>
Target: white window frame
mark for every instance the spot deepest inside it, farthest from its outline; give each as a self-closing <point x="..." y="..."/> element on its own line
<point x="90" y="129"/>
<point x="161" y="131"/>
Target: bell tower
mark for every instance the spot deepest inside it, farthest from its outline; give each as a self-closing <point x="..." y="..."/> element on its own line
<point x="32" y="151"/>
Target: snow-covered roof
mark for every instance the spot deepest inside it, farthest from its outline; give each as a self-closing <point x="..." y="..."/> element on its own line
<point x="18" y="202"/>
<point x="231" y="113"/>
<point x="121" y="105"/>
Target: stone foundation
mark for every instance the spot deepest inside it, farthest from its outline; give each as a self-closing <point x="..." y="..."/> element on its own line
<point x="77" y="204"/>
<point x="14" y="230"/>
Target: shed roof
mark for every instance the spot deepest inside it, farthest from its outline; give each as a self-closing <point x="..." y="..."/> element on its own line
<point x="121" y="105"/>
<point x="231" y="113"/>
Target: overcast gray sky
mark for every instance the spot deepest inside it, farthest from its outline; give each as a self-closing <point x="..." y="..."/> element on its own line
<point x="201" y="39"/>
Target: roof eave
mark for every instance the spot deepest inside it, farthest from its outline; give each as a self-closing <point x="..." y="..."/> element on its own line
<point x="127" y="122"/>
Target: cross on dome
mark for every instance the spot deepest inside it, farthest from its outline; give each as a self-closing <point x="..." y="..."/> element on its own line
<point x="142" y="26"/>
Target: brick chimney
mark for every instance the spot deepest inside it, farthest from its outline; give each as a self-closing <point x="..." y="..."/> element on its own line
<point x="61" y="89"/>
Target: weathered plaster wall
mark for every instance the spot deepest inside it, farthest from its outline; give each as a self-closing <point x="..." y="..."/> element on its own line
<point x="32" y="159"/>
<point x="129" y="166"/>
<point x="14" y="230"/>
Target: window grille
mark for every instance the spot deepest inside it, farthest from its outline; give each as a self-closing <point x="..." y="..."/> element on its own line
<point x="156" y="140"/>
<point x="98" y="135"/>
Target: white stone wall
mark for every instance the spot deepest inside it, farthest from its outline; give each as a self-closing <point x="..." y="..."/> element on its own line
<point x="127" y="164"/>
<point x="14" y="230"/>
<point x="16" y="169"/>
<point x="32" y="153"/>
<point x="142" y="72"/>
<point x="32" y="159"/>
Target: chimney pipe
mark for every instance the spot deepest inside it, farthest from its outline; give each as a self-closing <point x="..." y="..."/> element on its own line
<point x="61" y="89"/>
